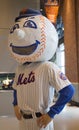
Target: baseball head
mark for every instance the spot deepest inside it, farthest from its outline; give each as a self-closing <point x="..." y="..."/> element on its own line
<point x="33" y="37"/>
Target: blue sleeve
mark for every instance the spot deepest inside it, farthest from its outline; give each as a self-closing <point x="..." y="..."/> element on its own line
<point x="14" y="97"/>
<point x="65" y="96"/>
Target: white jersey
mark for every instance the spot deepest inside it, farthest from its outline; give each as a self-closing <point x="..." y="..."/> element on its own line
<point x="33" y="83"/>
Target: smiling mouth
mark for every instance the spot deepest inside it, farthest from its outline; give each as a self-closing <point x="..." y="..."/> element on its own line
<point x="25" y="50"/>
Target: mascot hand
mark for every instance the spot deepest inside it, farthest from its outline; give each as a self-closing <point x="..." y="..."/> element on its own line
<point x="44" y="120"/>
<point x="17" y="112"/>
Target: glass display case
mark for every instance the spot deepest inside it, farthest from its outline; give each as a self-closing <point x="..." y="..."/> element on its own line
<point x="6" y="81"/>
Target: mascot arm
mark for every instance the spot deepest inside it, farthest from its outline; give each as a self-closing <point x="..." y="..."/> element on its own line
<point x="65" y="96"/>
<point x="14" y="97"/>
<point x="16" y="108"/>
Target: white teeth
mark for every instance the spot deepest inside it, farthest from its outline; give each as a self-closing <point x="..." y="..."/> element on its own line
<point x="20" y="33"/>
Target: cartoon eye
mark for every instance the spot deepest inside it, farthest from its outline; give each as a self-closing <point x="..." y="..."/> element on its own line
<point x="30" y="24"/>
<point x="16" y="26"/>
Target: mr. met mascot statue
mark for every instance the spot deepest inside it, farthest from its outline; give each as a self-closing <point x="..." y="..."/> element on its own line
<point x="33" y="42"/>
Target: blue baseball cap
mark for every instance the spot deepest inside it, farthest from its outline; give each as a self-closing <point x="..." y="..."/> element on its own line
<point x="27" y="13"/>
